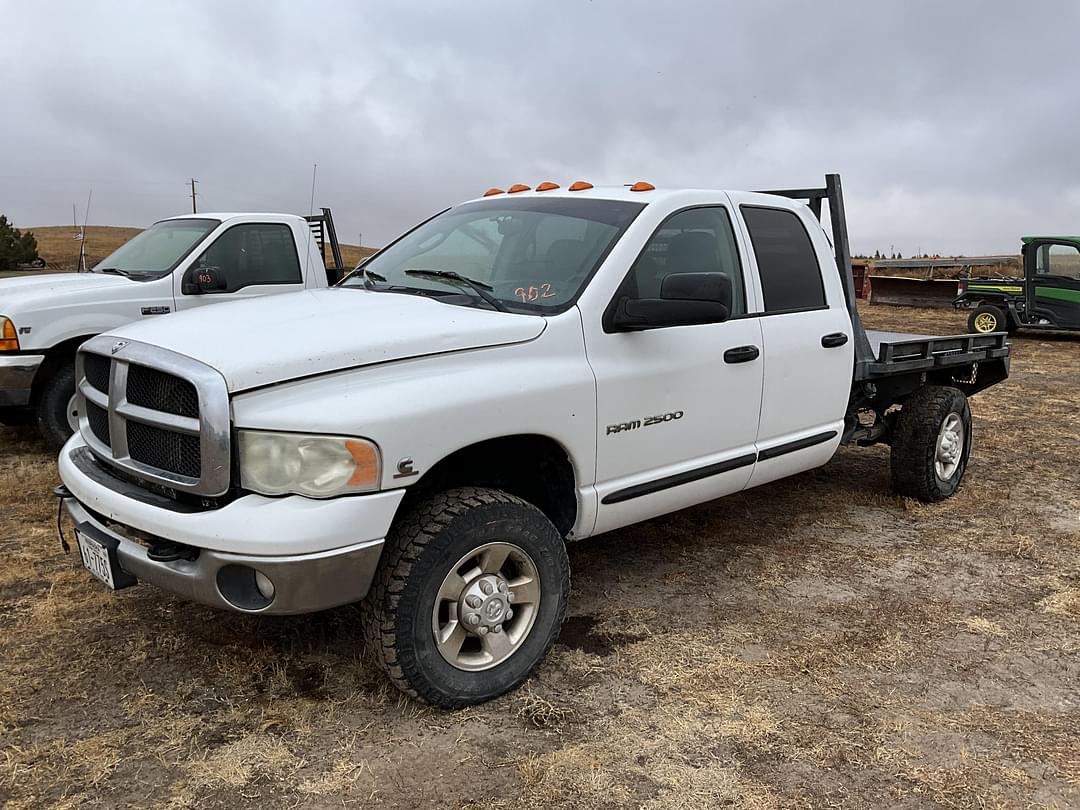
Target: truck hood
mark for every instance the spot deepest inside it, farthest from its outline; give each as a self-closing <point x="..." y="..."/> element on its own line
<point x="285" y="337"/>
<point x="18" y="295"/>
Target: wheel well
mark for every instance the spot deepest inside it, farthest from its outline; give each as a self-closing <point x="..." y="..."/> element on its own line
<point x="54" y="359"/>
<point x="535" y="468"/>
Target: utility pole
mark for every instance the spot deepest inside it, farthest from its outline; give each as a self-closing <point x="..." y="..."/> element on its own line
<point x="193" y="208"/>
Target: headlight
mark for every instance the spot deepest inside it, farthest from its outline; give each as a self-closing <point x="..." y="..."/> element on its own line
<point x="9" y="338"/>
<point x="300" y="464"/>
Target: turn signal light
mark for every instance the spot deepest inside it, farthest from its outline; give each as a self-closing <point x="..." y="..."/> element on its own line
<point x="547" y="185"/>
<point x="9" y="340"/>
<point x="580" y="185"/>
<point x="514" y="189"/>
<point x="367" y="462"/>
<point x="641" y="185"/>
<point x="493" y="191"/>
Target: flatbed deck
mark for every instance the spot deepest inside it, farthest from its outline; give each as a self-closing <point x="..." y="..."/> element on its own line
<point x="899" y="352"/>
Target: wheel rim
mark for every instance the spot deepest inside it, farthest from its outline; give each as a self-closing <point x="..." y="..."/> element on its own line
<point x="486" y="606"/>
<point x="950" y="447"/>
<point x="985" y="322"/>
<point x="73" y="413"/>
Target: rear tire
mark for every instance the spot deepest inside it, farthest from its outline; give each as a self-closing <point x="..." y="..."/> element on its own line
<point x="428" y="588"/>
<point x="988" y="318"/>
<point x="931" y="444"/>
<point x="55" y="404"/>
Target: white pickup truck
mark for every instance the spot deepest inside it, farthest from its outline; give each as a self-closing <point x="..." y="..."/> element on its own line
<point x="176" y="264"/>
<point x="523" y="369"/>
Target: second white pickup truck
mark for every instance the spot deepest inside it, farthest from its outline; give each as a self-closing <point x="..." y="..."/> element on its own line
<point x="523" y="369"/>
<point x="176" y="264"/>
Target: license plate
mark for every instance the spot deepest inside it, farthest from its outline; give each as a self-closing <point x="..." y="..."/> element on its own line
<point x="95" y="557"/>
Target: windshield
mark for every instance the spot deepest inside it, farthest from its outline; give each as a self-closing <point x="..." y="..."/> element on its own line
<point x="530" y="254"/>
<point x="157" y="250"/>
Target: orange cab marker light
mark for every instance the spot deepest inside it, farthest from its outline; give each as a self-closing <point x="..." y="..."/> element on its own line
<point x="580" y="185"/>
<point x="641" y="185"/>
<point x="493" y="191"/>
<point x="547" y="185"/>
<point x="514" y="189"/>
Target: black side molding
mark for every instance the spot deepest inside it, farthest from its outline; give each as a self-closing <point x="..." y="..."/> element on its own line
<point x="798" y="444"/>
<point x="679" y="479"/>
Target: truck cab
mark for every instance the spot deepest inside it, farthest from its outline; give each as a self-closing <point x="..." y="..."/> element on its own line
<point x="180" y="263"/>
<point x="1046" y="298"/>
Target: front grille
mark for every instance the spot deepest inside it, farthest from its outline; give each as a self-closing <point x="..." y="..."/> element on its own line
<point x="96" y="369"/>
<point x="150" y="388"/>
<point x="174" y="452"/>
<point x="99" y="422"/>
<point x="161" y="418"/>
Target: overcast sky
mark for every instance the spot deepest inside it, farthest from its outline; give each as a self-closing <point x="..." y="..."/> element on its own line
<point x="953" y="124"/>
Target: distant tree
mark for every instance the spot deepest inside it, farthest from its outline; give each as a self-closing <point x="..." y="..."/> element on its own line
<point x="877" y="254"/>
<point x="899" y="255"/>
<point x="15" y="247"/>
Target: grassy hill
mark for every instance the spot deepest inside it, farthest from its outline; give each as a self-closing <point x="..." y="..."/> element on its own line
<point x="58" y="247"/>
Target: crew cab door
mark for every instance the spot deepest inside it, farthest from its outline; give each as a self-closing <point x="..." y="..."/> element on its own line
<point x="1052" y="268"/>
<point x="251" y="258"/>
<point x="807" y="337"/>
<point x="677" y="406"/>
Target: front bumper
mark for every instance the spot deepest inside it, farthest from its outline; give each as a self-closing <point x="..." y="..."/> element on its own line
<point x="17" y="377"/>
<point x="318" y="554"/>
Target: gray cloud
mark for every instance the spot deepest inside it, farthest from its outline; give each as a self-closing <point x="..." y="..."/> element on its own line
<point x="952" y="123"/>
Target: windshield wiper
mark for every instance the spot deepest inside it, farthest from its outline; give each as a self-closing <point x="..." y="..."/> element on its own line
<point x="132" y="274"/>
<point x="483" y="290"/>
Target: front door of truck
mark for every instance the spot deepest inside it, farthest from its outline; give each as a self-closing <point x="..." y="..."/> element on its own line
<point x="250" y="259"/>
<point x="1052" y="268"/>
<point x="677" y="407"/>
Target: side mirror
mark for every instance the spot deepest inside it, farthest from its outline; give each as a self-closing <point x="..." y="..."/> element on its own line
<point x="199" y="280"/>
<point x="686" y="299"/>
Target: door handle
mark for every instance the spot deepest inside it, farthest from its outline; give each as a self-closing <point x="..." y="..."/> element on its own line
<point x="834" y="340"/>
<point x="741" y="354"/>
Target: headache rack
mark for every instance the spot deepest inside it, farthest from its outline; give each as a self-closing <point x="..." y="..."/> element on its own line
<point x="892" y="354"/>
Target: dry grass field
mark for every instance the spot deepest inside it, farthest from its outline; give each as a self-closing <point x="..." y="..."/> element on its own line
<point x="60" y="250"/>
<point x="818" y="642"/>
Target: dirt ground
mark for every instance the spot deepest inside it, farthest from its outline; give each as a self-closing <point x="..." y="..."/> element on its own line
<point x="818" y="642"/>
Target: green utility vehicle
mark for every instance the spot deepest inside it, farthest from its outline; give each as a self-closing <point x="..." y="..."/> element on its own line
<point x="1047" y="297"/>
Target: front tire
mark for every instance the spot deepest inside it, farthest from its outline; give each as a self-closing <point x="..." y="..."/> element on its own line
<point x="931" y="444"/>
<point x="469" y="598"/>
<point x="56" y="418"/>
<point x="987" y="318"/>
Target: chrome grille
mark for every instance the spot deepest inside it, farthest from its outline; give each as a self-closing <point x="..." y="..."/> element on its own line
<point x="97" y="372"/>
<point x="165" y="450"/>
<point x="99" y="422"/>
<point x="155" y="389"/>
<point x="161" y="416"/>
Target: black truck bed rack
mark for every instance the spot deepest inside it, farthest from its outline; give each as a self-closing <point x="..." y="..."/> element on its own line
<point x="899" y="352"/>
<point x="890" y="365"/>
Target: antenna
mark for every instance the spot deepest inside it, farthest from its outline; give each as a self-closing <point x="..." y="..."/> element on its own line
<point x="81" y="266"/>
<point x="311" y="210"/>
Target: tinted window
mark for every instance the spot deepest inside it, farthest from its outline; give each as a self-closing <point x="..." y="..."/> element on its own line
<point x="261" y="253"/>
<point x="790" y="275"/>
<point x="699" y="240"/>
<point x="536" y="253"/>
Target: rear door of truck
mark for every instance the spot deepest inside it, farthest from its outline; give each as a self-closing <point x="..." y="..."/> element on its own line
<point x="808" y="345"/>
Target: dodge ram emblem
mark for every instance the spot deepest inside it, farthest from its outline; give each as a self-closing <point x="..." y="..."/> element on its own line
<point x="118" y="346"/>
